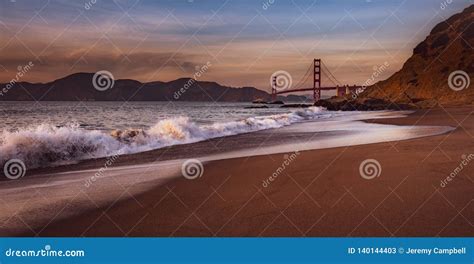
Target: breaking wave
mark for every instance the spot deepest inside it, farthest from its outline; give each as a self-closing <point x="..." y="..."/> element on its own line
<point x="48" y="145"/>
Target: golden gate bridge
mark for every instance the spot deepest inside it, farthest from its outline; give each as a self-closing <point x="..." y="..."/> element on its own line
<point x="281" y="83"/>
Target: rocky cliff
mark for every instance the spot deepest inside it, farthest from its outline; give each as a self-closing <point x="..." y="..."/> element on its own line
<point x="439" y="73"/>
<point x="439" y="70"/>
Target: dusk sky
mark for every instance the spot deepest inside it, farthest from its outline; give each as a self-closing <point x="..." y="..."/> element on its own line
<point x="245" y="41"/>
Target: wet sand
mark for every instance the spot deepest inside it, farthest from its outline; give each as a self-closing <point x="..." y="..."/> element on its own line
<point x="320" y="193"/>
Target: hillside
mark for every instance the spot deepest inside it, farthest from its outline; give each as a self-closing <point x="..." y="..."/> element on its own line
<point x="439" y="73"/>
<point x="79" y="86"/>
<point x="424" y="78"/>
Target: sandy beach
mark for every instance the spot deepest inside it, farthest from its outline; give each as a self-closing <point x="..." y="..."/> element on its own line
<point x="237" y="131"/>
<point x="319" y="193"/>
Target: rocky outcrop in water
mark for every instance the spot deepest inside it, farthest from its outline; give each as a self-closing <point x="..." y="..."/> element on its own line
<point x="368" y="104"/>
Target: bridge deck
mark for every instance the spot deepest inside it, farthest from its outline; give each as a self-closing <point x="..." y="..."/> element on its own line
<point x="322" y="88"/>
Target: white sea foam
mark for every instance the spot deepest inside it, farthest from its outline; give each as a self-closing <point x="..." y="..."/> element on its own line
<point x="48" y="145"/>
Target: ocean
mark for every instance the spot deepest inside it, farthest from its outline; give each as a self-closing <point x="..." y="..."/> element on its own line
<point x="44" y="134"/>
<point x="54" y="133"/>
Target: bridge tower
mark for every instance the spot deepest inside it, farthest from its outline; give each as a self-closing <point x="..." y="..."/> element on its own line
<point x="316" y="80"/>
<point x="318" y="68"/>
<point x="274" y="91"/>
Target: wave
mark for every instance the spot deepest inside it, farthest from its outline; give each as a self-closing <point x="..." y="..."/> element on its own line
<point x="48" y="145"/>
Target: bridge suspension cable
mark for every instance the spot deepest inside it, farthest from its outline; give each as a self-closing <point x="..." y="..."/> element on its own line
<point x="315" y="72"/>
<point x="304" y="81"/>
<point x="334" y="79"/>
<point x="305" y="78"/>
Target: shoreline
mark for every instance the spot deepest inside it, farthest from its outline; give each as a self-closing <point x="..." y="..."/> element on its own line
<point x="312" y="197"/>
<point x="216" y="146"/>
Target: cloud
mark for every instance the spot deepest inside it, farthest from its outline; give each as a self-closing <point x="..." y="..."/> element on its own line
<point x="60" y="61"/>
<point x="165" y="40"/>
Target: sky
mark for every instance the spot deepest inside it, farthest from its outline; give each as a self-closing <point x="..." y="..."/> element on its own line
<point x="243" y="41"/>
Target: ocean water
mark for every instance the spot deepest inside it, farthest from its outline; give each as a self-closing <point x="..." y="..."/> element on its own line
<point x="119" y="115"/>
<point x="54" y="133"/>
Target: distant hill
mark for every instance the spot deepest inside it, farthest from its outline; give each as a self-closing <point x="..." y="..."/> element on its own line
<point x="79" y="86"/>
<point x="423" y="80"/>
